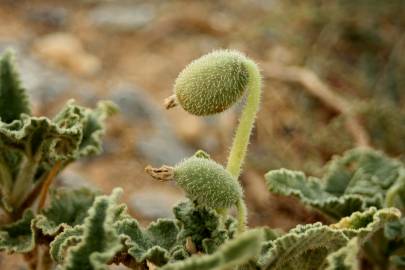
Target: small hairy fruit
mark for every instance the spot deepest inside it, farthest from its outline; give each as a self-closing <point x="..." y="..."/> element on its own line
<point x="207" y="183"/>
<point x="212" y="83"/>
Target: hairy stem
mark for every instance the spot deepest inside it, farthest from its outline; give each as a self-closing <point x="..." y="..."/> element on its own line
<point x="242" y="216"/>
<point x="241" y="140"/>
<point x="24" y="179"/>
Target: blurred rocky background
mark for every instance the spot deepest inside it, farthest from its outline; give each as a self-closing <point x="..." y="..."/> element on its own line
<point x="333" y="74"/>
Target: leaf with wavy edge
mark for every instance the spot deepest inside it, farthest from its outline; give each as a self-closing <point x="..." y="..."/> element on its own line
<point x="362" y="171"/>
<point x="292" y="250"/>
<point x="63" y="241"/>
<point x="203" y="226"/>
<point x="94" y="128"/>
<point x="153" y="244"/>
<point x="13" y="97"/>
<point x="233" y="253"/>
<point x="68" y="208"/>
<point x="345" y="258"/>
<point x="365" y="223"/>
<point x="316" y="241"/>
<point x="99" y="242"/>
<point x="18" y="236"/>
<point x="33" y="134"/>
<point x="311" y="191"/>
<point x="359" y="179"/>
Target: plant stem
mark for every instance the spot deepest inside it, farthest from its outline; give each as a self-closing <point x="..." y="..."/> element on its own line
<point x="24" y="179"/>
<point x="240" y="143"/>
<point x="242" y="215"/>
<point x="241" y="140"/>
<point x="47" y="183"/>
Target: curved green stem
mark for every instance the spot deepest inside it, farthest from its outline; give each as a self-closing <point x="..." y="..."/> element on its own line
<point x="247" y="119"/>
<point x="242" y="215"/>
<point x="241" y="140"/>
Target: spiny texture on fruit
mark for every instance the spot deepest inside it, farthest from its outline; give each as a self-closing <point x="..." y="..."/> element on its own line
<point x="212" y="83"/>
<point x="207" y="183"/>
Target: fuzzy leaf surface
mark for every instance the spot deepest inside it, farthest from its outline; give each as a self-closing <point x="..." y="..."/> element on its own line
<point x="99" y="242"/>
<point x="18" y="236"/>
<point x="314" y="242"/>
<point x="203" y="226"/>
<point x="359" y="179"/>
<point x="13" y="97"/>
<point x="153" y="244"/>
<point x="235" y="252"/>
<point x="345" y="258"/>
<point x="67" y="208"/>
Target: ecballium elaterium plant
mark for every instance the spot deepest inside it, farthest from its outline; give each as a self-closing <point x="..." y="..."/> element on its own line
<point x="81" y="229"/>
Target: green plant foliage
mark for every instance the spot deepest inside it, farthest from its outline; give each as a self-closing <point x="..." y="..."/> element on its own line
<point x="63" y="241"/>
<point x="236" y="252"/>
<point x="99" y="242"/>
<point x="13" y="98"/>
<point x="314" y="242"/>
<point x="18" y="236"/>
<point x="353" y="182"/>
<point x="345" y="258"/>
<point x="364" y="223"/>
<point x="207" y="183"/>
<point x="204" y="226"/>
<point x="290" y="251"/>
<point x="93" y="129"/>
<point x="68" y="208"/>
<point x="155" y="244"/>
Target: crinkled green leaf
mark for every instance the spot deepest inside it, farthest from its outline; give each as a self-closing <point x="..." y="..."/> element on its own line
<point x="314" y="242"/>
<point x="69" y="237"/>
<point x="99" y="243"/>
<point x="345" y="258"/>
<point x="13" y="97"/>
<point x="311" y="191"/>
<point x="33" y="144"/>
<point x="235" y="252"/>
<point x="153" y="244"/>
<point x="359" y="179"/>
<point x="203" y="226"/>
<point x="94" y="128"/>
<point x="39" y="134"/>
<point x="292" y="250"/>
<point x="365" y="223"/>
<point x="18" y="236"/>
<point x="67" y="208"/>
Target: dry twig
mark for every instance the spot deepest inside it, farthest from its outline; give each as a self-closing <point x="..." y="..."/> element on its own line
<point x="319" y="89"/>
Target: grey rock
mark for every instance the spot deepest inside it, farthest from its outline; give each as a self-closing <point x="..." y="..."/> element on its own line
<point x="159" y="144"/>
<point x="43" y="84"/>
<point x="122" y="17"/>
<point x="48" y="15"/>
<point x="153" y="204"/>
<point x="163" y="148"/>
<point x="134" y="104"/>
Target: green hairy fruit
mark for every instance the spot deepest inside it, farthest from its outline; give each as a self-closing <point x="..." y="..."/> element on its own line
<point x="207" y="183"/>
<point x="212" y="83"/>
